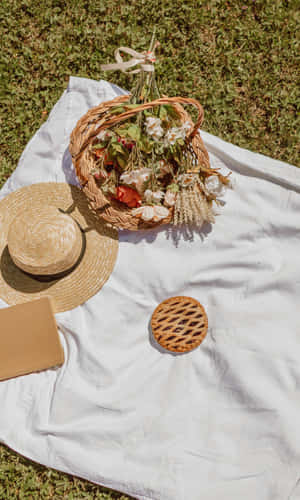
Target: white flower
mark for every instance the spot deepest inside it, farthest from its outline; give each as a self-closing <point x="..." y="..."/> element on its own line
<point x="127" y="178"/>
<point x="170" y="198"/>
<point x="160" y="213"/>
<point x="141" y="176"/>
<point x="214" y="186"/>
<point x="154" y="196"/>
<point x="157" y="196"/>
<point x="136" y="177"/>
<point x="172" y="135"/>
<point x="101" y="136"/>
<point x="175" y="133"/>
<point x="186" y="126"/>
<point x="148" y="213"/>
<point x="148" y="195"/>
<point x="154" y="128"/>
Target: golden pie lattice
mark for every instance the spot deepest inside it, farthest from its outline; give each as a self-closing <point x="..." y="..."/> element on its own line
<point x="179" y="324"/>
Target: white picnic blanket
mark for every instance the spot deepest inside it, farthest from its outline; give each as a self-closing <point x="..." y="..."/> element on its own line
<point x="221" y="422"/>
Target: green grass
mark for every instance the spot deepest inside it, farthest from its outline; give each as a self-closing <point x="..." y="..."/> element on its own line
<point x="22" y="479"/>
<point x="239" y="58"/>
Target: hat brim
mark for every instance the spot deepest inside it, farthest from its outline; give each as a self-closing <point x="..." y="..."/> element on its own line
<point x="94" y="268"/>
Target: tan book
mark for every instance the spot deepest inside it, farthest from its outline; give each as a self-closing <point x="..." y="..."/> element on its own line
<point x="29" y="340"/>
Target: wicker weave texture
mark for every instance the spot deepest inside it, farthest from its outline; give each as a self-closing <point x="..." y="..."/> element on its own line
<point x="92" y="271"/>
<point x="98" y="119"/>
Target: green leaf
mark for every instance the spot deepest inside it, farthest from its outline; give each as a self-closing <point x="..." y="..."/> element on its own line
<point x="122" y="130"/>
<point x="147" y="112"/>
<point x="173" y="187"/>
<point x="159" y="148"/>
<point x="121" y="161"/>
<point x="163" y="115"/>
<point x="117" y="110"/>
<point x="132" y="106"/>
<point x="134" y="132"/>
<point x="118" y="148"/>
<point x="145" y="145"/>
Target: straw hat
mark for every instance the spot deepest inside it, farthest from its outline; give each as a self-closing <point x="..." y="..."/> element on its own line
<point x="51" y="243"/>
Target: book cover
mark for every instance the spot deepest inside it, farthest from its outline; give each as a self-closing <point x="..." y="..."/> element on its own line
<point x="29" y="340"/>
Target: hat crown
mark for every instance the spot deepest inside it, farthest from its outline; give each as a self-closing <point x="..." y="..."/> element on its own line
<point x="99" y="247"/>
<point x="44" y="241"/>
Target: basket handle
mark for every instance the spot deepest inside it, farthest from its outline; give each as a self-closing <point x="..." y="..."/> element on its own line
<point x="158" y="102"/>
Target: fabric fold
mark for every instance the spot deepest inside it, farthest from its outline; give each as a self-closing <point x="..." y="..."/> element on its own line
<point x="218" y="422"/>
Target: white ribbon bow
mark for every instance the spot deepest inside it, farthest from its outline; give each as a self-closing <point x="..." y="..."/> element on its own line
<point x="143" y="59"/>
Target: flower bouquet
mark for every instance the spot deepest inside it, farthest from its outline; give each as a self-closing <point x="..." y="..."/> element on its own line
<point x="140" y="158"/>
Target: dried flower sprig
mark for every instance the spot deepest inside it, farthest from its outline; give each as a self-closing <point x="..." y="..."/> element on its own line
<point x="192" y="205"/>
<point x="151" y="157"/>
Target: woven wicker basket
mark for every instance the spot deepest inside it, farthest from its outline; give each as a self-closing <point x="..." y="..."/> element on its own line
<point x="98" y="119"/>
